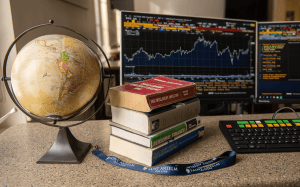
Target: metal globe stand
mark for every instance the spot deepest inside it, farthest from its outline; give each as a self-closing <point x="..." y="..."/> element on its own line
<point x="66" y="149"/>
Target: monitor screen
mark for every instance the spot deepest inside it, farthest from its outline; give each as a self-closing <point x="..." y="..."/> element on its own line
<point x="218" y="55"/>
<point x="278" y="62"/>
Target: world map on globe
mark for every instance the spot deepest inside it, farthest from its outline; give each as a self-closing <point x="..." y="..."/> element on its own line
<point x="55" y="75"/>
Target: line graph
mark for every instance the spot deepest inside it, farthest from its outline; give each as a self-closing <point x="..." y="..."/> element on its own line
<point x="206" y="55"/>
<point x="218" y="55"/>
<point x="238" y="58"/>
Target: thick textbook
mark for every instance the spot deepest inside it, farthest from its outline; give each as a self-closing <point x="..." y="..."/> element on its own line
<point x="151" y="93"/>
<point x="151" y="156"/>
<point x="157" y="138"/>
<point x="149" y="122"/>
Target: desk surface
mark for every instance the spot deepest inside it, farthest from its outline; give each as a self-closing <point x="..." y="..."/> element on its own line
<point x="21" y="145"/>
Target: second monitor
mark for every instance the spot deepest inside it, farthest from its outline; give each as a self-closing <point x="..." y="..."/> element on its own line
<point x="278" y="67"/>
<point x="217" y="54"/>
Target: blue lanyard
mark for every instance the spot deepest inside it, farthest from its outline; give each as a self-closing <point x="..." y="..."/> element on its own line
<point x="174" y="169"/>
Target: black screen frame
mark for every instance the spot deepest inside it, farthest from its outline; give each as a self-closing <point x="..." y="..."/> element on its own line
<point x="217" y="100"/>
<point x="264" y="100"/>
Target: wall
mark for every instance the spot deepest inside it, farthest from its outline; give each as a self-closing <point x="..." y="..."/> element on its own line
<point x="68" y="13"/>
<point x="279" y="10"/>
<point x="7" y="37"/>
<point x="206" y="8"/>
<point x="294" y="5"/>
<point x="280" y="7"/>
<point x="108" y="25"/>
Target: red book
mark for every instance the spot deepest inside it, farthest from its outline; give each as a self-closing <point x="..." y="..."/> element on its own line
<point x="151" y="93"/>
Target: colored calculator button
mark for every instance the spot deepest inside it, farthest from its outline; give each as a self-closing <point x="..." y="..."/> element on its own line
<point x="254" y="125"/>
<point x="279" y="121"/>
<point x="242" y="122"/>
<point x="296" y="120"/>
<point x="297" y="124"/>
<point x="248" y="126"/>
<point x="252" y="122"/>
<point x="289" y="125"/>
<point x="270" y="121"/>
<point x="286" y="121"/>
<point x="242" y="126"/>
<point x="282" y="125"/>
<point x="228" y="126"/>
<point x="270" y="125"/>
<point x="260" y="125"/>
<point x="276" y="125"/>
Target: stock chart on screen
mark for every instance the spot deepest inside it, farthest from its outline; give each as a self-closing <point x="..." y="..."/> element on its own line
<point x="217" y="54"/>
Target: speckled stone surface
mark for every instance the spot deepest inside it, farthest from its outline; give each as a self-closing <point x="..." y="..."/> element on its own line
<point x="21" y="145"/>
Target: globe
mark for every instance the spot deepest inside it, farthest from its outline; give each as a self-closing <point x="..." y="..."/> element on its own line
<point x="55" y="75"/>
<point x="55" y="78"/>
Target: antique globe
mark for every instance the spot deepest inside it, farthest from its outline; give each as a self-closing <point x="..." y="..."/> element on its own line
<point x="55" y="78"/>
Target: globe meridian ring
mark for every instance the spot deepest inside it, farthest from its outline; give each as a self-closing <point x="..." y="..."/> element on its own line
<point x="43" y="120"/>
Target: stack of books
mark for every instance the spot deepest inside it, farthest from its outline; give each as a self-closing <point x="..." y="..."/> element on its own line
<point x="154" y="118"/>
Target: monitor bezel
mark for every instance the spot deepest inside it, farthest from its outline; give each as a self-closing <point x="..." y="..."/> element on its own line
<point x="263" y="100"/>
<point x="204" y="100"/>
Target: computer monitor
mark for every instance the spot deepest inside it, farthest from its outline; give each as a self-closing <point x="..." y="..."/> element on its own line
<point x="217" y="54"/>
<point x="278" y="63"/>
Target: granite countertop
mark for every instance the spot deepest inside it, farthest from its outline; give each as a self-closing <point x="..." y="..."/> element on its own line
<point x="21" y="146"/>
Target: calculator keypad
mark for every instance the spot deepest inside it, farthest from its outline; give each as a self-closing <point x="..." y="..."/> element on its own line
<point x="262" y="135"/>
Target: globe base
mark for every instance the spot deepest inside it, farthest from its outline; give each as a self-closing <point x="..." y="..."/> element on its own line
<point x="65" y="150"/>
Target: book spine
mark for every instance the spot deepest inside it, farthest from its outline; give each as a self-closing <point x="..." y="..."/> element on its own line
<point x="166" y="98"/>
<point x="167" y="135"/>
<point x="179" y="114"/>
<point x="173" y="146"/>
<point x="175" y="131"/>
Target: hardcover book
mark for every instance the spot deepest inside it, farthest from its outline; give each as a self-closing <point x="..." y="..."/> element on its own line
<point x="151" y="156"/>
<point x="149" y="122"/>
<point x="151" y="93"/>
<point x="157" y="138"/>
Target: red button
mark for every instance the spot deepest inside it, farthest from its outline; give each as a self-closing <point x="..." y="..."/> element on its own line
<point x="229" y="126"/>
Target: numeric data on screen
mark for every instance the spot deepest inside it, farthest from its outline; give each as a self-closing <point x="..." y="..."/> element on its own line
<point x="218" y="55"/>
<point x="278" y="67"/>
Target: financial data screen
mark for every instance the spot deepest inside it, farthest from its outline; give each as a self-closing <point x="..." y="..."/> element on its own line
<point x="217" y="54"/>
<point x="278" y="67"/>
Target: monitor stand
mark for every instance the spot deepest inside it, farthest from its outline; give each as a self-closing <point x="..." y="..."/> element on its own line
<point x="218" y="109"/>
